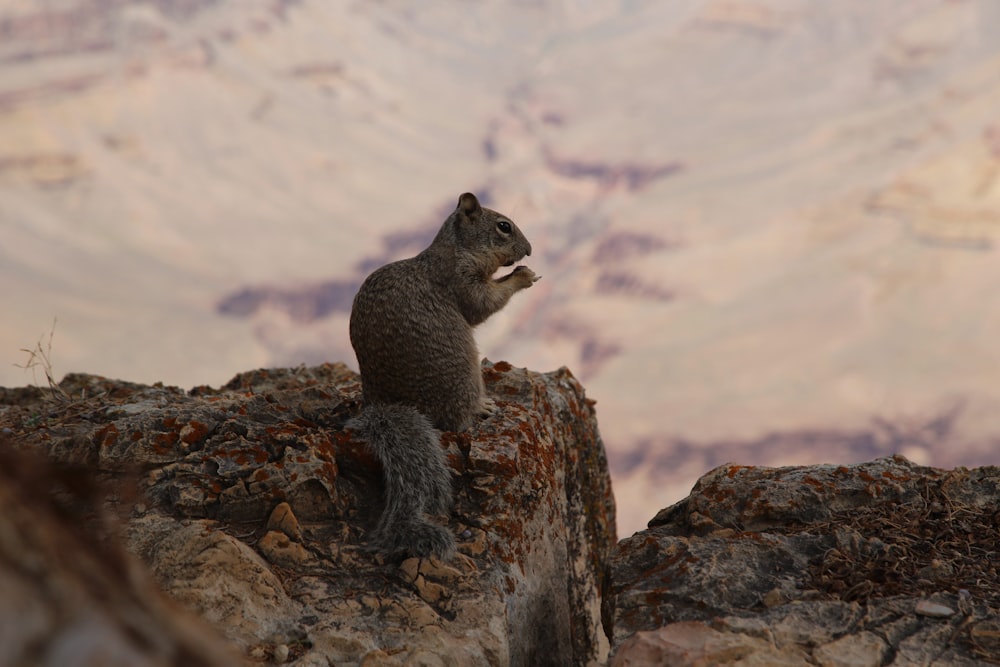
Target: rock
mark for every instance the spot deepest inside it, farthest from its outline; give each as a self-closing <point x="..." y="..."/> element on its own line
<point x="932" y="609"/>
<point x="829" y="565"/>
<point x="693" y="643"/>
<point x="284" y="520"/>
<point x="279" y="549"/>
<point x="220" y="577"/>
<point x="71" y="596"/>
<point x="861" y="649"/>
<point x="250" y="503"/>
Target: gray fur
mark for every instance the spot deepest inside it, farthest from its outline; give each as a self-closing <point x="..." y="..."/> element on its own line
<point x="409" y="498"/>
<point x="411" y="328"/>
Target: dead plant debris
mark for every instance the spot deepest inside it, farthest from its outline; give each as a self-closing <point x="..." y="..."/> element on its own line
<point x="931" y="545"/>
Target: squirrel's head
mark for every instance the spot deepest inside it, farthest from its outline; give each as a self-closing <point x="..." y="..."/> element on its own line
<point x="478" y="229"/>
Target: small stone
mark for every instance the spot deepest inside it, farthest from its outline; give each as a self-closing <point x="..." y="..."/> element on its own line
<point x="284" y="520"/>
<point x="281" y="653"/>
<point x="773" y="598"/>
<point x="933" y="609"/>
<point x="429" y="591"/>
<point x="474" y="544"/>
<point x="278" y="548"/>
<point x="410" y="568"/>
<point x="370" y="603"/>
<point x="432" y="567"/>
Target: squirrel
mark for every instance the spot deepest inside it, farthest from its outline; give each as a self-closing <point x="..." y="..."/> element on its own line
<point x="411" y="329"/>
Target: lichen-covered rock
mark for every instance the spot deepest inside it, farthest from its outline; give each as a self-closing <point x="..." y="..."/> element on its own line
<point x="250" y="504"/>
<point x="824" y="565"/>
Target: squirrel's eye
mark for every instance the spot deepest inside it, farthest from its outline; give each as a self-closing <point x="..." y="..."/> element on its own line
<point x="504" y="226"/>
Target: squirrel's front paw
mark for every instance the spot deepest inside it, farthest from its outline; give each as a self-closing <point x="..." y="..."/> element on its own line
<point x="524" y="277"/>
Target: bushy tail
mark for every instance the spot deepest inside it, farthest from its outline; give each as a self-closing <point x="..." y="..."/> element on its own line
<point x="417" y="480"/>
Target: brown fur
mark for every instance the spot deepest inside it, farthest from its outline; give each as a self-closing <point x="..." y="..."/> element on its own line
<point x="411" y="328"/>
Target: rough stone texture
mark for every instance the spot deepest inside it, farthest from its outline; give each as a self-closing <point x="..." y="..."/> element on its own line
<point x="815" y="565"/>
<point x="250" y="503"/>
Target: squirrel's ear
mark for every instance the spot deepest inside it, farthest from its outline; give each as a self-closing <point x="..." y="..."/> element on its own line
<point x="468" y="204"/>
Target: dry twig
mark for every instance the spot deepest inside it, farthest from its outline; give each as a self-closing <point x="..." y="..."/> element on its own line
<point x="41" y="358"/>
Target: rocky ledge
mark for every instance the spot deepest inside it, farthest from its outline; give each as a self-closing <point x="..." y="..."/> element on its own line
<point x="249" y="505"/>
<point x="878" y="563"/>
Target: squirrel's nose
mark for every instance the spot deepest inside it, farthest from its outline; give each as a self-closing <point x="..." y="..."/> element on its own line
<point x="527" y="253"/>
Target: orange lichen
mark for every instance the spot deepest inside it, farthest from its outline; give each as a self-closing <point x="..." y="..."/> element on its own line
<point x="195" y="431"/>
<point x="164" y="442"/>
<point x="106" y="436"/>
<point x="812" y="481"/>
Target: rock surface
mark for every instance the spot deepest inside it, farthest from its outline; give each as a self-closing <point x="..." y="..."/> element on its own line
<point x="70" y="596"/>
<point x="250" y="504"/>
<point x="879" y="563"/>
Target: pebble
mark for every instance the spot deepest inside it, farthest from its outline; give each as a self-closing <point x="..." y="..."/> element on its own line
<point x="774" y="598"/>
<point x="933" y="609"/>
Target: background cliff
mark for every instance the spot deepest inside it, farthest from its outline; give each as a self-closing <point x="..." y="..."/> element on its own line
<point x="767" y="227"/>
